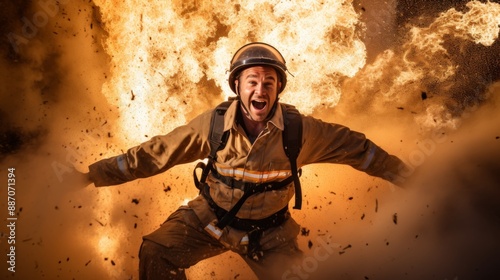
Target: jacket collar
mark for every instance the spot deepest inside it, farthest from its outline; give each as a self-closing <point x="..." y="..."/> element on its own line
<point x="230" y="117"/>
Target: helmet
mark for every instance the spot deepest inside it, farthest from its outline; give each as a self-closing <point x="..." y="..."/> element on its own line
<point x="254" y="54"/>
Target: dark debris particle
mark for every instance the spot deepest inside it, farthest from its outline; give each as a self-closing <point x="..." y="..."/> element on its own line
<point x="395" y="218"/>
<point x="309" y="244"/>
<point x="112" y="262"/>
<point x="363" y="216"/>
<point x="236" y="276"/>
<point x="424" y="95"/>
<point x="351" y="198"/>
<point x="304" y="231"/>
<point x="167" y="189"/>
<point x="135" y="201"/>
<point x="56" y="207"/>
<point x="347" y="247"/>
<point x="135" y="225"/>
<point x="87" y="263"/>
<point x="400" y="108"/>
<point x="498" y="137"/>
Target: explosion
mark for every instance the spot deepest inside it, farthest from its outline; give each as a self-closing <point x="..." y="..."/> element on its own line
<point x="85" y="80"/>
<point x="168" y="58"/>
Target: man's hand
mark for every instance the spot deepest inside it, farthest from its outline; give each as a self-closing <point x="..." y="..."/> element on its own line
<point x="76" y="180"/>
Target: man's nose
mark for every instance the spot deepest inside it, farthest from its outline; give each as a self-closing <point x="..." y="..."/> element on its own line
<point x="260" y="89"/>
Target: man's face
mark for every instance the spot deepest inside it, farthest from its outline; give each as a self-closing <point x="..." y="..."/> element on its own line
<point x="258" y="89"/>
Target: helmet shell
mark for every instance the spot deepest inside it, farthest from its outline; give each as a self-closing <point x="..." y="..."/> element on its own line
<point x="257" y="54"/>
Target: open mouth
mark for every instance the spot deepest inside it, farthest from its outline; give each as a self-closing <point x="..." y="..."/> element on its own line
<point x="259" y="105"/>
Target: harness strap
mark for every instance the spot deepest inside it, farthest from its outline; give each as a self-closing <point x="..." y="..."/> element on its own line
<point x="247" y="225"/>
<point x="228" y="218"/>
<point x="201" y="165"/>
<point x="292" y="138"/>
<point x="217" y="138"/>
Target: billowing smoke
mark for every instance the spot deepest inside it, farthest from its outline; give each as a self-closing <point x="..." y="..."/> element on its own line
<point x="84" y="80"/>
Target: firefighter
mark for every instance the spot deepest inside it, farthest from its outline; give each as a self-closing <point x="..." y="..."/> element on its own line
<point x="251" y="168"/>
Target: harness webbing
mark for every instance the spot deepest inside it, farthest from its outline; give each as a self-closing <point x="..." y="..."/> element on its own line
<point x="217" y="138"/>
<point x="227" y="219"/>
<point x="292" y="140"/>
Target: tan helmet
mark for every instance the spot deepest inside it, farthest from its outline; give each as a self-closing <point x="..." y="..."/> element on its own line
<point x="254" y="54"/>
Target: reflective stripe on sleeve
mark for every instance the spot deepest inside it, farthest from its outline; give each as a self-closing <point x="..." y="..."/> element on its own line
<point x="122" y="165"/>
<point x="369" y="159"/>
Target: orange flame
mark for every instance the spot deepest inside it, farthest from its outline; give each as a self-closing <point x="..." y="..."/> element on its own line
<point x="169" y="59"/>
<point x="162" y="54"/>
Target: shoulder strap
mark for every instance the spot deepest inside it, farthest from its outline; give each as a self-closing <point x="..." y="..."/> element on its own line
<point x="292" y="142"/>
<point x="217" y="136"/>
<point x="217" y="139"/>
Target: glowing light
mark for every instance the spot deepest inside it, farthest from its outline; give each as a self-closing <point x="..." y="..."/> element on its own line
<point x="106" y="245"/>
<point x="162" y="51"/>
<point x="169" y="59"/>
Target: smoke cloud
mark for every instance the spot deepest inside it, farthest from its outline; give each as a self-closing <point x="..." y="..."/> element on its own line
<point x="84" y="80"/>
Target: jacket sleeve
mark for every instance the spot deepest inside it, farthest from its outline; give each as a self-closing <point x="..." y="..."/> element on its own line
<point x="184" y="144"/>
<point x="333" y="143"/>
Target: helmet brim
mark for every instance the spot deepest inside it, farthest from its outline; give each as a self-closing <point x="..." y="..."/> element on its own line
<point x="257" y="54"/>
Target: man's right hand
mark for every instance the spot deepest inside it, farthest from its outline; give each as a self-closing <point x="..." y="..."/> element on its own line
<point x="76" y="180"/>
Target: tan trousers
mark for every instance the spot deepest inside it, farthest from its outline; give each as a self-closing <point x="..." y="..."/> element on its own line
<point x="182" y="241"/>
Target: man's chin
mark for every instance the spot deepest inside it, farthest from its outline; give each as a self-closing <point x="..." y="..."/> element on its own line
<point x="259" y="117"/>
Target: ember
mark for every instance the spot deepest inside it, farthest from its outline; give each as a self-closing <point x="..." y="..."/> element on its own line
<point x="83" y="80"/>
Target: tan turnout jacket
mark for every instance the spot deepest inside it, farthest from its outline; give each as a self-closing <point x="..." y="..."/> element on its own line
<point x="262" y="161"/>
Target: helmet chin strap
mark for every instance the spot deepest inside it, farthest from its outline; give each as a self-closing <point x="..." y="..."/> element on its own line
<point x="247" y="111"/>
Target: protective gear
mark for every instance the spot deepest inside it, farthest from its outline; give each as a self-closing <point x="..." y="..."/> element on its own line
<point x="332" y="143"/>
<point x="254" y="54"/>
